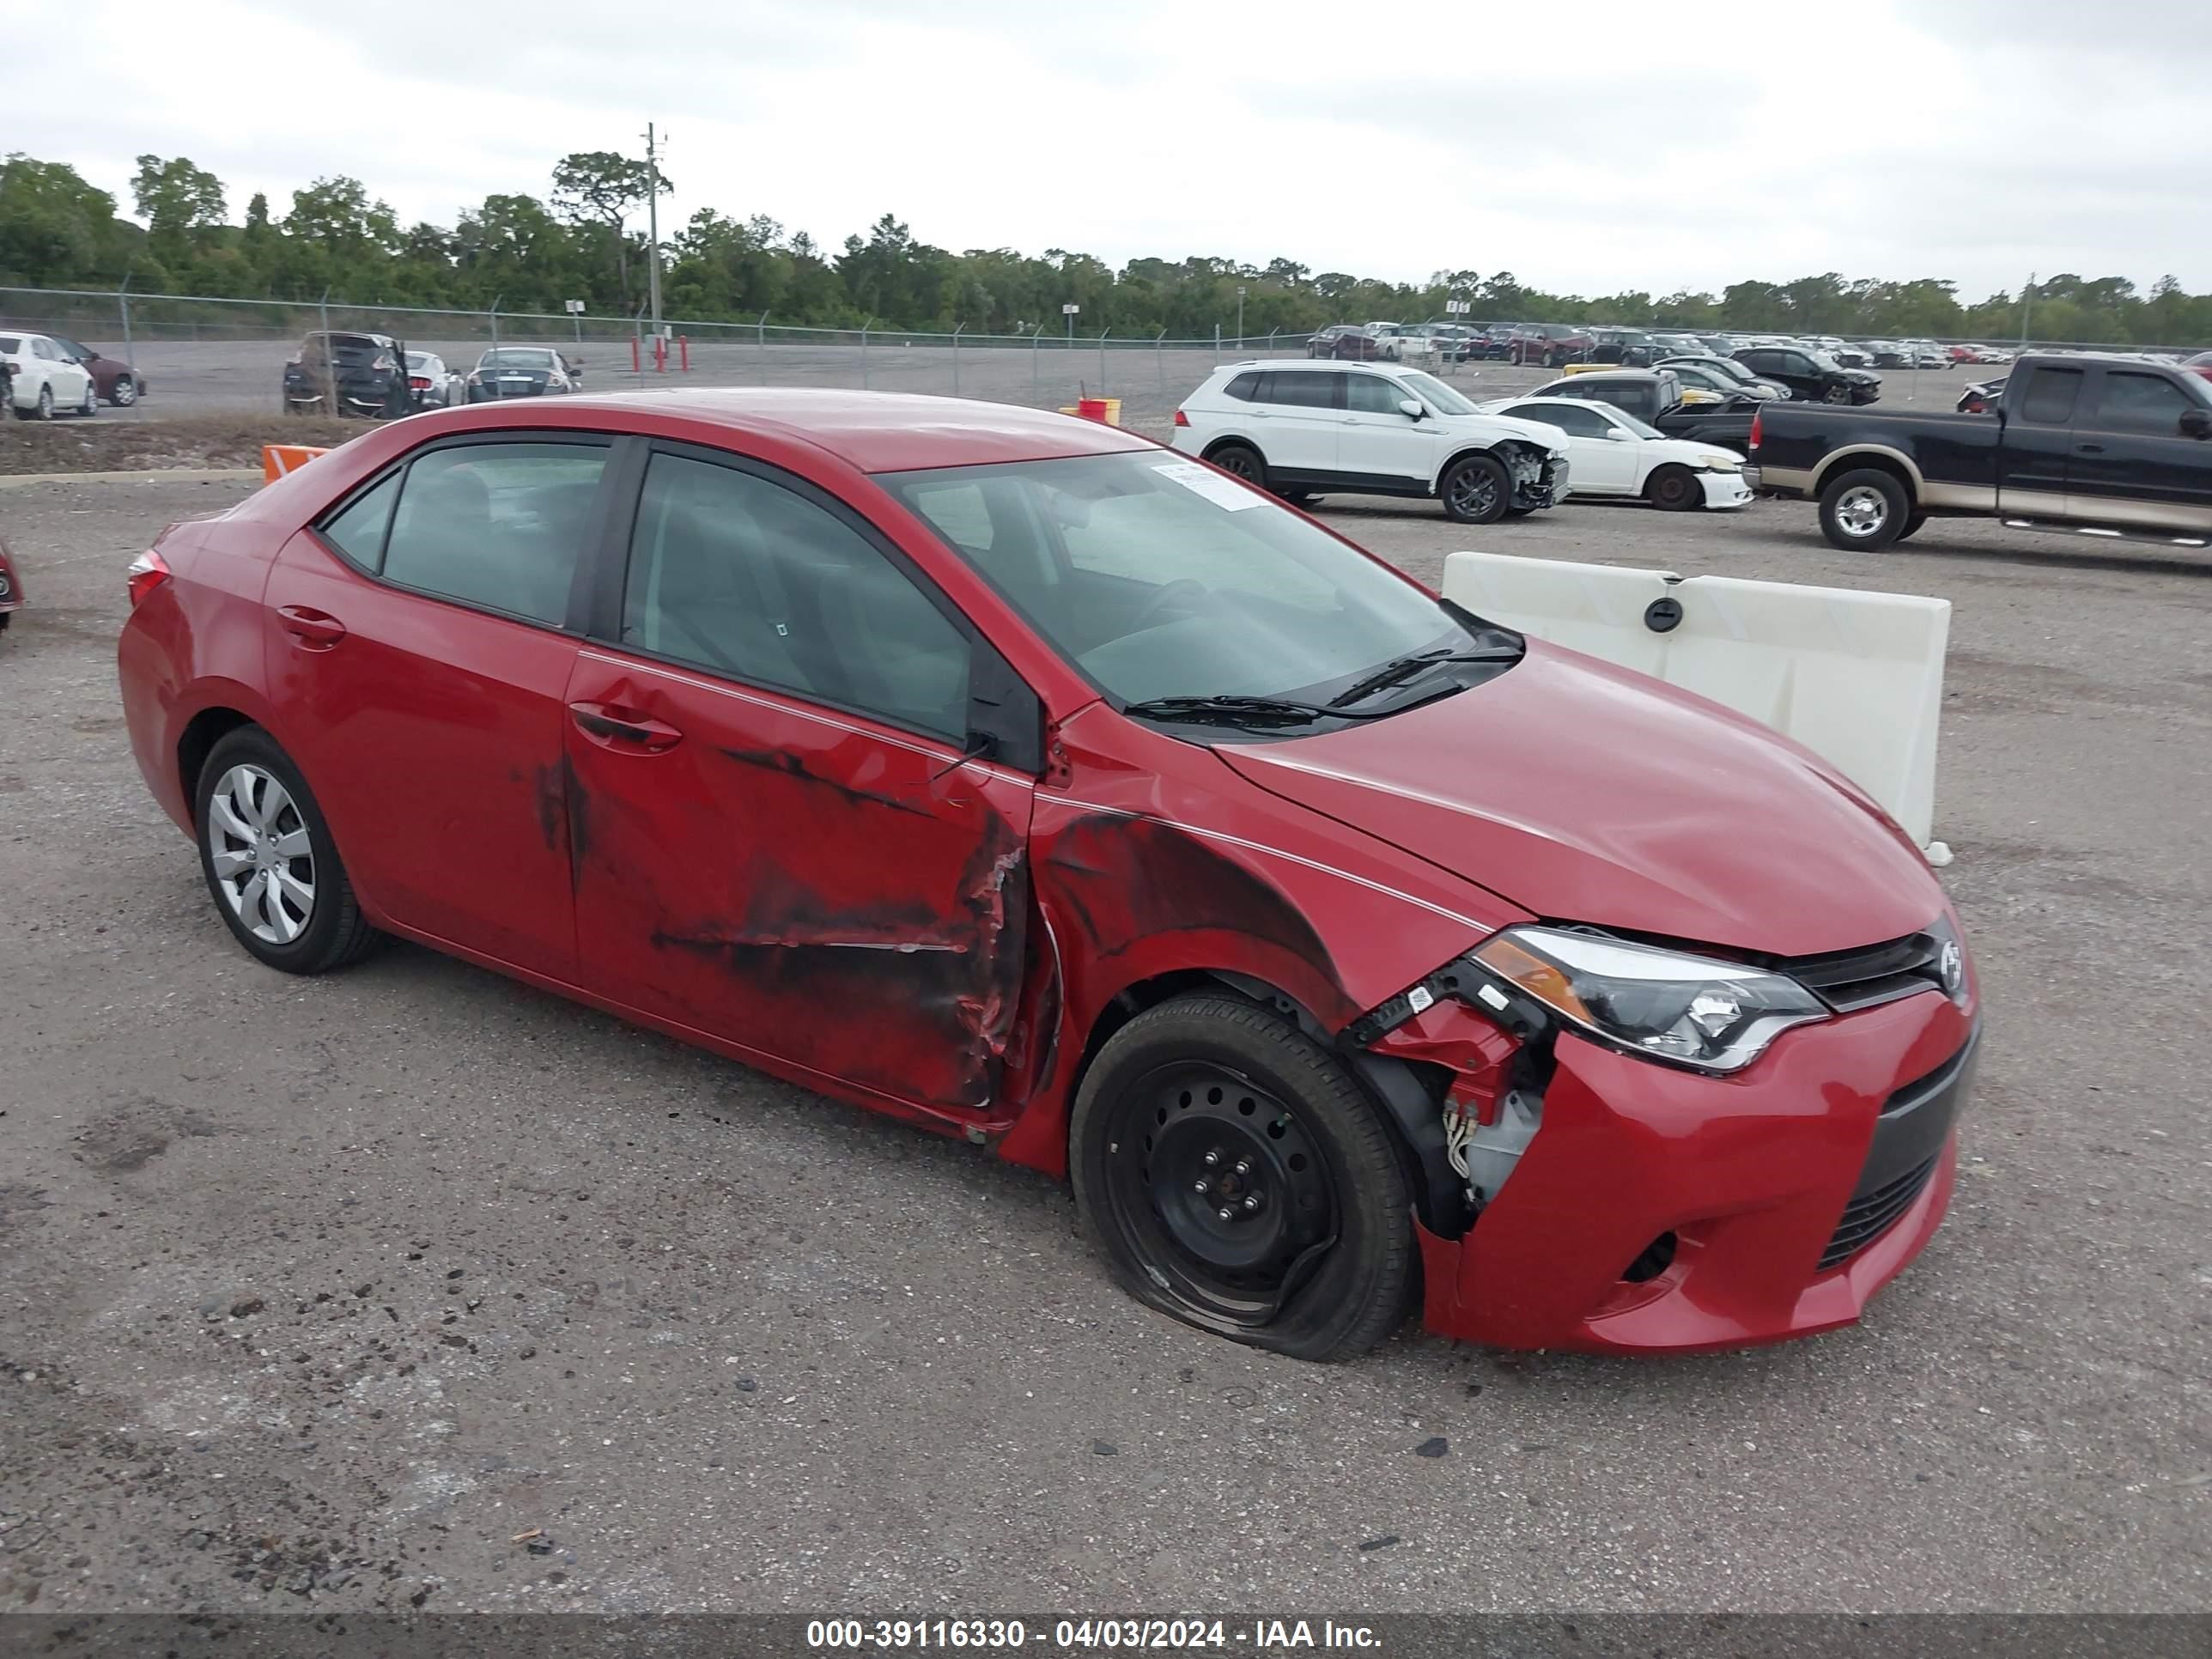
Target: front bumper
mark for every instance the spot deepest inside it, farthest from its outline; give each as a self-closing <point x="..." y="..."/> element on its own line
<point x="1546" y="486"/>
<point x="1841" y="1139"/>
<point x="1726" y="489"/>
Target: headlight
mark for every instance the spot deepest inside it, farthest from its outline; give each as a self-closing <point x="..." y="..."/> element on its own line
<point x="1715" y="1016"/>
<point x="1720" y="464"/>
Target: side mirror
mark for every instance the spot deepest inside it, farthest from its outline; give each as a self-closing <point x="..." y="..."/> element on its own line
<point x="2197" y="423"/>
<point x="1411" y="407"/>
<point x="1618" y="434"/>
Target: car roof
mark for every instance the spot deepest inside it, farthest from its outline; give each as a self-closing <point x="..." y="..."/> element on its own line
<point x="1318" y="365"/>
<point x="884" y="431"/>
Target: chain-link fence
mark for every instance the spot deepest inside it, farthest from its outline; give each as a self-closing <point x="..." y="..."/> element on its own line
<point x="170" y="355"/>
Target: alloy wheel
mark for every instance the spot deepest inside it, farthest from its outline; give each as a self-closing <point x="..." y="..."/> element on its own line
<point x="263" y="856"/>
<point x="1471" y="493"/>
<point x="1861" y="512"/>
<point x="126" y="393"/>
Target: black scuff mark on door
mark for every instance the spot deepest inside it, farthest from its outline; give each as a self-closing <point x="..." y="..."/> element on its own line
<point x="549" y="790"/>
<point x="576" y="806"/>
<point x="954" y="973"/>
<point x="792" y="766"/>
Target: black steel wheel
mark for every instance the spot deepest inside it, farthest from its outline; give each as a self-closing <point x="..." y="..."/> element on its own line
<point x="1475" y="489"/>
<point x="1239" y="1180"/>
<point x="1241" y="461"/>
<point x="1674" y="489"/>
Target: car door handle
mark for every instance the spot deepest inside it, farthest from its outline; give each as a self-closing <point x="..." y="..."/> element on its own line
<point x="613" y="725"/>
<point x="2089" y="449"/>
<point x="317" y="629"/>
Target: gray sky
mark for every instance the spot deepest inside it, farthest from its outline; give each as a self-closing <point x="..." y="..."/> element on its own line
<point x="1588" y="148"/>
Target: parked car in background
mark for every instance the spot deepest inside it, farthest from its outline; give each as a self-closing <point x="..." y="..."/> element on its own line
<point x="1628" y="347"/>
<point x="1549" y="345"/>
<point x="1810" y="374"/>
<point x="1610" y="453"/>
<point x="118" y="382"/>
<point x="1335" y="943"/>
<point x="2109" y="445"/>
<point x="521" y="371"/>
<point x="43" y="381"/>
<point x="1990" y="353"/>
<point x="1345" y="342"/>
<point x="1730" y="371"/>
<point x="353" y="374"/>
<point x="432" y="384"/>
<point x="1981" y="398"/>
<point x="11" y="585"/>
<point x="1698" y="377"/>
<point x="1655" y="397"/>
<point x="1852" y="356"/>
<point x="1924" y="354"/>
<point x="1304" y="430"/>
<point x="1492" y="342"/>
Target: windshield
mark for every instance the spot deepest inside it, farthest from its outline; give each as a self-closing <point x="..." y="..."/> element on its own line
<point x="1438" y="396"/>
<point x="1821" y="359"/>
<point x="1159" y="578"/>
<point x="515" y="357"/>
<point x="418" y="360"/>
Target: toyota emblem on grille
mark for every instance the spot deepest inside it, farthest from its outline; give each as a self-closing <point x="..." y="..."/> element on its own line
<point x="1952" y="965"/>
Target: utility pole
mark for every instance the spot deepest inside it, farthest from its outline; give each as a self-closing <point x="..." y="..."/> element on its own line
<point x="2026" y="303"/>
<point x="652" y="226"/>
<point x="1240" y="316"/>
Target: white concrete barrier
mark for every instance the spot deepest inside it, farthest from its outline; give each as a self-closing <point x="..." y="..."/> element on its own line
<point x="1855" y="677"/>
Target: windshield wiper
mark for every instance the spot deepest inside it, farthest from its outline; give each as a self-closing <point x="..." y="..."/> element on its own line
<point x="1238" y="710"/>
<point x="1399" y="670"/>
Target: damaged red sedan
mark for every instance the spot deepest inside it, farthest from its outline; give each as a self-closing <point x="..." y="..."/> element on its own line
<point x="1013" y="774"/>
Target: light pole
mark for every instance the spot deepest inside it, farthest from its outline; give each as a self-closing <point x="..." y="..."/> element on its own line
<point x="652" y="226"/>
<point x="1240" y="316"/>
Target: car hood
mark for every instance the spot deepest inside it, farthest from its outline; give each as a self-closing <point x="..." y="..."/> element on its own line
<point x="1581" y="792"/>
<point x="1488" y="429"/>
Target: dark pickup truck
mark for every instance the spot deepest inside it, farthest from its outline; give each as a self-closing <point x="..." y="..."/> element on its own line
<point x="2110" y="447"/>
<point x="1654" y="396"/>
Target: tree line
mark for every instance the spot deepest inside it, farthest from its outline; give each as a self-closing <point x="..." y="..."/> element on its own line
<point x="582" y="240"/>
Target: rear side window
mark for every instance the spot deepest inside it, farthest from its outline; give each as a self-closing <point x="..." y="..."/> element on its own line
<point x="358" y="531"/>
<point x="496" y="525"/>
<point x="2141" y="403"/>
<point x="1302" y="389"/>
<point x="1244" y="388"/>
<point x="11" y="343"/>
<point x="734" y="573"/>
<point x="2051" y="395"/>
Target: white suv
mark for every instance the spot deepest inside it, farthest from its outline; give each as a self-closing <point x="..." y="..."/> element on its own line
<point x="1301" y="428"/>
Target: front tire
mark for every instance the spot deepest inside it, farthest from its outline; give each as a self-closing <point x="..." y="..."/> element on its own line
<point x="1674" y="489"/>
<point x="1475" y="489"/>
<point x="270" y="863"/>
<point x="1865" y="511"/>
<point x="1241" y="461"/>
<point x="1835" y="394"/>
<point x="126" y="393"/>
<point x="1239" y="1181"/>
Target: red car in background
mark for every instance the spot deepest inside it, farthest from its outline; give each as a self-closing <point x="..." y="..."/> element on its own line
<point x="1021" y="778"/>
<point x="117" y="382"/>
<point x="1550" y="344"/>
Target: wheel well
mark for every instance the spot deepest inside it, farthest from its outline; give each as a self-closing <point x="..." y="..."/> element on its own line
<point x="1404" y="1090"/>
<point x="1495" y="451"/>
<point x="1220" y="444"/>
<point x="202" y="733"/>
<point x="1865" y="461"/>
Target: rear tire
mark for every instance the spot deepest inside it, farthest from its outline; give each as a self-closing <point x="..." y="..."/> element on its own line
<point x="1475" y="489"/>
<point x="1674" y="489"/>
<point x="90" y="406"/>
<point x="1241" y="461"/>
<point x="1299" y="497"/>
<point x="1912" y="527"/>
<point x="1316" y="1258"/>
<point x="1865" y="511"/>
<point x="263" y="845"/>
<point x="46" y="405"/>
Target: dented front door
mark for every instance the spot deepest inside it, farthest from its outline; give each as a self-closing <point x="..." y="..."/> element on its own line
<point x="840" y="896"/>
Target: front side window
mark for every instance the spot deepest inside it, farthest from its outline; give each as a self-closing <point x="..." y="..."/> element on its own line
<point x="1157" y="578"/>
<point x="1435" y="394"/>
<point x="1371" y="394"/>
<point x="2141" y="403"/>
<point x="735" y="573"/>
<point x="499" y="525"/>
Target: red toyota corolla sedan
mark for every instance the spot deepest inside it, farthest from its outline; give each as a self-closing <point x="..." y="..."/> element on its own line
<point x="1013" y="774"/>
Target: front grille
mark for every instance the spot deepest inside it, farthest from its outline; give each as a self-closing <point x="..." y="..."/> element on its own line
<point x="1849" y="980"/>
<point x="1870" y="1215"/>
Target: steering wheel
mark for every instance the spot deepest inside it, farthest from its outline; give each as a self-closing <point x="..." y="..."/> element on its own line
<point x="1188" y="588"/>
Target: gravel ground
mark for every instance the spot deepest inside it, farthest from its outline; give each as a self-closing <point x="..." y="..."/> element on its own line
<point x="324" y="1294"/>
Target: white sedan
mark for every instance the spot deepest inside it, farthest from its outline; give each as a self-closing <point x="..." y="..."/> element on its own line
<point x="43" y="379"/>
<point x="1610" y="453"/>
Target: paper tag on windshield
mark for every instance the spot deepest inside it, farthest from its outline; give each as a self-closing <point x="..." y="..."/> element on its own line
<point x="1204" y="481"/>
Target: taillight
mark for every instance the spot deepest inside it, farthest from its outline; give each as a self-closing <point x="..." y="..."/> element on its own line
<point x="148" y="572"/>
<point x="1757" y="419"/>
<point x="1182" y="419"/>
<point x="419" y="382"/>
<point x="384" y="362"/>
